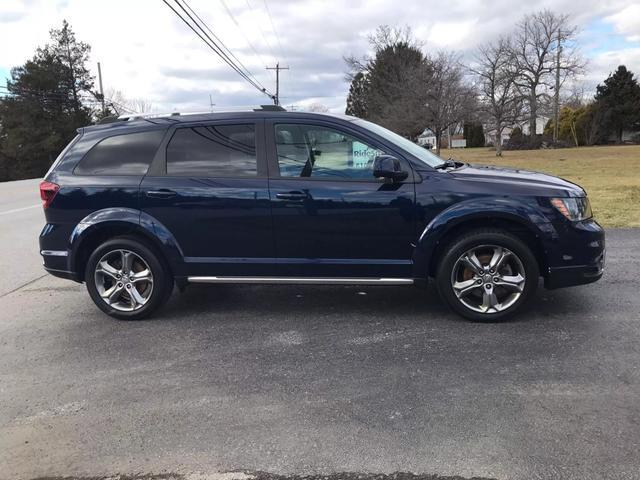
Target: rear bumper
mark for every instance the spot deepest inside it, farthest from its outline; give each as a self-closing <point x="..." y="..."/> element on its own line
<point x="56" y="262"/>
<point x="63" y="274"/>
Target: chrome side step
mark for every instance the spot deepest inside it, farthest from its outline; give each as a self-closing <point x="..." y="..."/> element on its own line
<point x="303" y="280"/>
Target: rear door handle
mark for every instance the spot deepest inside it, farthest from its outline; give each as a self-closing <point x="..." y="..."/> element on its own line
<point x="162" y="193"/>
<point x="292" y="196"/>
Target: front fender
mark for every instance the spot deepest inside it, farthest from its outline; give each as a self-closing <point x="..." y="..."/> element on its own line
<point x="131" y="220"/>
<point x="491" y="208"/>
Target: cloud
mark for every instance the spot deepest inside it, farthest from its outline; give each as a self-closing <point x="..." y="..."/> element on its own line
<point x="605" y="63"/>
<point x="6" y="17"/>
<point x="147" y="52"/>
<point x="627" y="22"/>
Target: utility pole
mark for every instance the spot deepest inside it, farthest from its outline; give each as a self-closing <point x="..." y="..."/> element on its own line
<point x="211" y="104"/>
<point x="277" y="68"/>
<point x="101" y="90"/>
<point x="556" y="109"/>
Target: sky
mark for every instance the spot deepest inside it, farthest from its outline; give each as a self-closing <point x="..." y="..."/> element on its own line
<point x="147" y="52"/>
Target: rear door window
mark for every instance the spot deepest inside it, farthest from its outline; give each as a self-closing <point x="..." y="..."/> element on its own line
<point x="213" y="151"/>
<point x="129" y="154"/>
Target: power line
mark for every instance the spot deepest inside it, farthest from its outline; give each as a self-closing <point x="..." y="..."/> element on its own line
<point x="87" y="99"/>
<point x="262" y="34"/>
<point x="266" y="6"/>
<point x="220" y="41"/>
<point x="233" y="18"/>
<point x="23" y="91"/>
<point x="208" y="41"/>
<point x="122" y="107"/>
<point x="216" y="48"/>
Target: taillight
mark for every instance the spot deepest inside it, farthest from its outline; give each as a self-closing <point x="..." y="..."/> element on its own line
<point x="48" y="192"/>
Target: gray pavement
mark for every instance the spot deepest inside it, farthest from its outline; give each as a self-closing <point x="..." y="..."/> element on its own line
<point x="317" y="380"/>
<point x="21" y="220"/>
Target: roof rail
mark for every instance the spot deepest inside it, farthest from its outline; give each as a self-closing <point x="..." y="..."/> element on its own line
<point x="260" y="108"/>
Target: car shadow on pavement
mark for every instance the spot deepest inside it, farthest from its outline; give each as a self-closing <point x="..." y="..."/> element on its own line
<point x="317" y="301"/>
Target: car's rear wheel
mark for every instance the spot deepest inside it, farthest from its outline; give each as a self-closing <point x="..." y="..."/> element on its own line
<point x="126" y="279"/>
<point x="487" y="275"/>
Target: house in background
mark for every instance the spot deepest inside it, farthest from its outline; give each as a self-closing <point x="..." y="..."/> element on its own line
<point x="427" y="138"/>
<point x="490" y="135"/>
<point x="540" y="123"/>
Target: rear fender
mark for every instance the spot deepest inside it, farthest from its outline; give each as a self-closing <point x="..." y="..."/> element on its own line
<point x="131" y="221"/>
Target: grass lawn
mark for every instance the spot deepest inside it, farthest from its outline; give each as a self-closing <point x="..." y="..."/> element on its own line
<point x="610" y="175"/>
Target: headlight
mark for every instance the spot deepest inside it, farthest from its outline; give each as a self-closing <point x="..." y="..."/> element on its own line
<point x="573" y="208"/>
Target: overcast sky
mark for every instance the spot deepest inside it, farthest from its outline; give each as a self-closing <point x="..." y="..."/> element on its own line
<point x="147" y="52"/>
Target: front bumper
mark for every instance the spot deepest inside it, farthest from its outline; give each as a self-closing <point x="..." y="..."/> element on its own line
<point x="571" y="276"/>
<point x="579" y="256"/>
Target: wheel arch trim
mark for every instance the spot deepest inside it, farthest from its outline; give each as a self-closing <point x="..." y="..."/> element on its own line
<point x="491" y="208"/>
<point x="134" y="222"/>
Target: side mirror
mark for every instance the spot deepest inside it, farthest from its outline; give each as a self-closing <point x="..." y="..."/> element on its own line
<point x="386" y="166"/>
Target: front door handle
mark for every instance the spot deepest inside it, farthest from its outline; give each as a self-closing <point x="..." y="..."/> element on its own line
<point x="292" y="196"/>
<point x="162" y="193"/>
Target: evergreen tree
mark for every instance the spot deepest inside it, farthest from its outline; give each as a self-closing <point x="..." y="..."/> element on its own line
<point x="618" y="100"/>
<point x="474" y="135"/>
<point x="44" y="108"/>
<point x="357" y="99"/>
<point x="387" y="87"/>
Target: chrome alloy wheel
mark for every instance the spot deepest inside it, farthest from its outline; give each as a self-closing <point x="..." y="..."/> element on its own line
<point x="488" y="278"/>
<point x="123" y="280"/>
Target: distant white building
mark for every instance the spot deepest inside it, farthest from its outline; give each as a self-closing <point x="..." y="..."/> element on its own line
<point x="490" y="135"/>
<point x="427" y="137"/>
<point x="540" y="123"/>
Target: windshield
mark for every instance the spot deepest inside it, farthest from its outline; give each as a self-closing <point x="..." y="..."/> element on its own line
<point x="416" y="150"/>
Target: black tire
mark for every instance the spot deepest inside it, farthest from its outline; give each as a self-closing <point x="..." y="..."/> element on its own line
<point x="520" y="257"/>
<point x="162" y="280"/>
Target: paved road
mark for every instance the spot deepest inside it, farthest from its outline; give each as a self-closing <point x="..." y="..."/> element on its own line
<point x="294" y="380"/>
<point x="21" y="220"/>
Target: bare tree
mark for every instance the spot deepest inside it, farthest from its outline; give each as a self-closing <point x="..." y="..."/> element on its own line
<point x="543" y="55"/>
<point x="317" y="107"/>
<point x="501" y="103"/>
<point x="122" y="104"/>
<point x="141" y="105"/>
<point x="449" y="100"/>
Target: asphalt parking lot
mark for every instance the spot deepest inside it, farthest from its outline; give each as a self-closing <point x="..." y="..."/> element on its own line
<point x="314" y="380"/>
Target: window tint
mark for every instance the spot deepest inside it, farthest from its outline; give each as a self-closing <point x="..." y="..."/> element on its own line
<point x="315" y="151"/>
<point x="213" y="151"/>
<point x="128" y="154"/>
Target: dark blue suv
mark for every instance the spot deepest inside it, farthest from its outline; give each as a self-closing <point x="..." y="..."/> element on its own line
<point x="140" y="204"/>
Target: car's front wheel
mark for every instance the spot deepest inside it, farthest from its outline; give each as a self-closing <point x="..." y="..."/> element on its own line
<point x="487" y="275"/>
<point x="126" y="279"/>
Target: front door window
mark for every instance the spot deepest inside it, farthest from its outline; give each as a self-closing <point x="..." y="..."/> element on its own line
<point x="317" y="151"/>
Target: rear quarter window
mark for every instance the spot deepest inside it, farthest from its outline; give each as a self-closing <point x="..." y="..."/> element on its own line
<point x="128" y="154"/>
<point x="213" y="151"/>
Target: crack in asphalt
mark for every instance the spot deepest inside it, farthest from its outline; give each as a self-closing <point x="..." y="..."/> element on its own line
<point x="26" y="284"/>
<point x="246" y="475"/>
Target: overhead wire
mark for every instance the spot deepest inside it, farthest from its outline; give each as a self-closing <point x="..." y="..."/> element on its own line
<point x="216" y="48"/>
<point x="264" y="37"/>
<point x="237" y="24"/>
<point x="273" y="27"/>
<point x="228" y="51"/>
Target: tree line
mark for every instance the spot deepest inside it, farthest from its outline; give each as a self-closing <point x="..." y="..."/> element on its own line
<point x="511" y="82"/>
